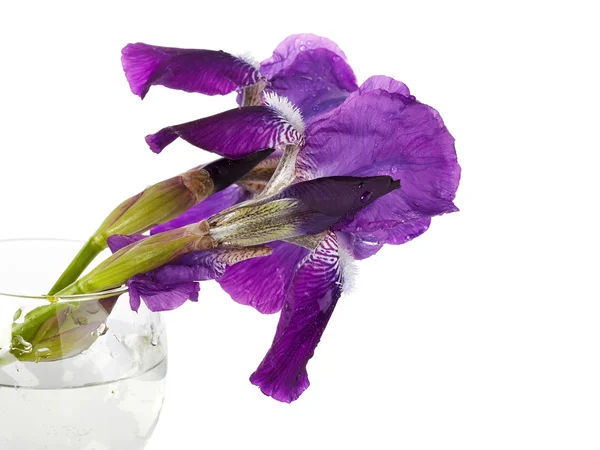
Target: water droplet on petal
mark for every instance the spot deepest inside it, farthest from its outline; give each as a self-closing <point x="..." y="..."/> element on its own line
<point x="360" y="185"/>
<point x="366" y="196"/>
<point x="394" y="169"/>
<point x="309" y="43"/>
<point x="302" y="47"/>
<point x="358" y="229"/>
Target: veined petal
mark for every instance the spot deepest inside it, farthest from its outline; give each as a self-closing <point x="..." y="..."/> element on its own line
<point x="316" y="81"/>
<point x="287" y="51"/>
<point x="238" y="132"/>
<point x="375" y="132"/>
<point x="204" y="71"/>
<point x="212" y="205"/>
<point x="309" y="303"/>
<point x="387" y="84"/>
<point x="158" y="296"/>
<point x="262" y="282"/>
<point x="362" y="245"/>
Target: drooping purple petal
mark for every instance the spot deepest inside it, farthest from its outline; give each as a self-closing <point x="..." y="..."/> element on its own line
<point x="375" y="132"/>
<point x="233" y="134"/>
<point x="158" y="296"/>
<point x="212" y="205"/>
<point x="316" y="82"/>
<point x="309" y="303"/>
<point x="287" y="51"/>
<point x="262" y="282"/>
<point x="204" y="71"/>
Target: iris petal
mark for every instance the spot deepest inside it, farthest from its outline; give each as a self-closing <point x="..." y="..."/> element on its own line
<point x="287" y="51"/>
<point x="204" y="71"/>
<point x="375" y="132"/>
<point x="316" y="82"/>
<point x="309" y="303"/>
<point x="262" y="282"/>
<point x="158" y="296"/>
<point x="212" y="205"/>
<point x="233" y="134"/>
<point x="362" y="245"/>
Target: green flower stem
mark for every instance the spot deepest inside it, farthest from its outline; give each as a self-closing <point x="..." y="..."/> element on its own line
<point x="142" y="257"/>
<point x="86" y="255"/>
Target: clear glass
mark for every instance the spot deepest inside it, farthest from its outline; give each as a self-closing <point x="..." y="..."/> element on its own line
<point x="83" y="373"/>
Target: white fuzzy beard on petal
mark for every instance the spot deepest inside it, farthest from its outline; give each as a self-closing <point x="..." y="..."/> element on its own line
<point x="249" y="59"/>
<point x="285" y="109"/>
<point x="349" y="270"/>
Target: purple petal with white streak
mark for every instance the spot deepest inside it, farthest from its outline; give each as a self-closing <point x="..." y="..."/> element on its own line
<point x="233" y="134"/>
<point x="316" y="82"/>
<point x="263" y="282"/>
<point x="211" y="205"/>
<point x="375" y="132"/>
<point x="287" y="51"/>
<point x="309" y="304"/>
<point x="204" y="71"/>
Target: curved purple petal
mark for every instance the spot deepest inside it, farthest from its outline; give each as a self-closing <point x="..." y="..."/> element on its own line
<point x="375" y="132"/>
<point x="204" y="71"/>
<point x="310" y="301"/>
<point x="316" y="82"/>
<point x="212" y="205"/>
<point x="262" y="282"/>
<point x="362" y="245"/>
<point x="235" y="133"/>
<point x="385" y="83"/>
<point x="287" y="51"/>
<point x="158" y="296"/>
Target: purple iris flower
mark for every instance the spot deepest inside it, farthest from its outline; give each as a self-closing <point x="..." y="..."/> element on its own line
<point x="229" y="237"/>
<point x="377" y="129"/>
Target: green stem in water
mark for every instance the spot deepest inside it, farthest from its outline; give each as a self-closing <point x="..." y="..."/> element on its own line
<point x="86" y="255"/>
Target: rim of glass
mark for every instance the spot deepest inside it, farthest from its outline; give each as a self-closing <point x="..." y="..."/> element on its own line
<point x="63" y="298"/>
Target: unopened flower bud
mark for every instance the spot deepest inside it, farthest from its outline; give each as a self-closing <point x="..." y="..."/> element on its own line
<point x="158" y="204"/>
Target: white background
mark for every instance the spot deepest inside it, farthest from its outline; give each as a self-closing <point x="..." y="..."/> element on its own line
<point x="481" y="334"/>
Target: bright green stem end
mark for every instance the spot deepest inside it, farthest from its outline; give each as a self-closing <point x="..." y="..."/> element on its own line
<point x="86" y="255"/>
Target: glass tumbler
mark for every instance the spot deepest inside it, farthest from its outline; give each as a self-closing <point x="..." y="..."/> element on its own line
<point x="83" y="372"/>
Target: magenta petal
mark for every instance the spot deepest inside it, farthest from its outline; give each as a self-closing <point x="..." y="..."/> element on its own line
<point x="160" y="297"/>
<point x="212" y="205"/>
<point x="375" y="132"/>
<point x="309" y="304"/>
<point x="316" y="82"/>
<point x="287" y="51"/>
<point x="204" y="71"/>
<point x="233" y="134"/>
<point x="263" y="282"/>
